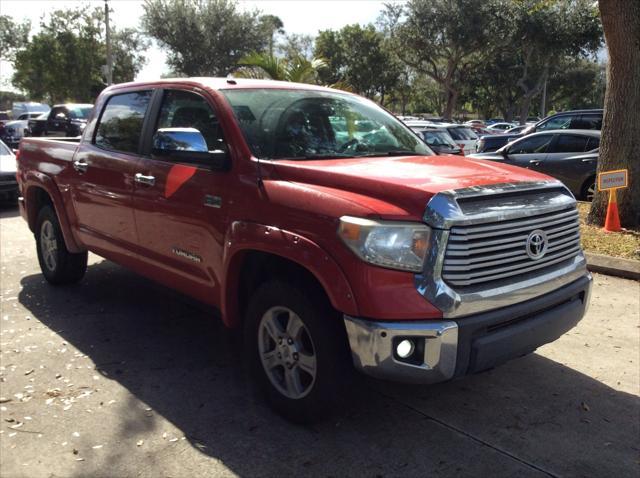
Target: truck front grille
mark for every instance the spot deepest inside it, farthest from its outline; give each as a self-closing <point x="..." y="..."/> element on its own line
<point x="494" y="251"/>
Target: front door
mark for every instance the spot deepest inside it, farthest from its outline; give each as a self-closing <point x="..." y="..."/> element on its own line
<point x="180" y="204"/>
<point x="530" y="152"/>
<point x="103" y="176"/>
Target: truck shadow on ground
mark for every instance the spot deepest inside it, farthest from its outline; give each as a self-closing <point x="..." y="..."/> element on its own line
<point x="523" y="418"/>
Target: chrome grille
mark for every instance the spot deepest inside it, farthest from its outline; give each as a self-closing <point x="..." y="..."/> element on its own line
<point x="493" y="251"/>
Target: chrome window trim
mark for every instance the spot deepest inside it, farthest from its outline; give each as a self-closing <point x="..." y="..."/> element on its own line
<point x="443" y="212"/>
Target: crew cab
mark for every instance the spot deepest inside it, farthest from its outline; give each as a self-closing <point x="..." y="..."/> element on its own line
<point x="326" y="250"/>
<point x="63" y="120"/>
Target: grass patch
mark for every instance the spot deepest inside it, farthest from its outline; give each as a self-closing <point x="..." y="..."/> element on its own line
<point x="625" y="244"/>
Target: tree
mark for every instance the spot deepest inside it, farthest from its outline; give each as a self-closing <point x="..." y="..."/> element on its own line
<point x="298" y="69"/>
<point x="204" y="37"/>
<point x="273" y="26"/>
<point x="295" y="45"/>
<point x="441" y="38"/>
<point x="620" y="143"/>
<point x="359" y="57"/>
<point x="63" y="61"/>
<point x="13" y="36"/>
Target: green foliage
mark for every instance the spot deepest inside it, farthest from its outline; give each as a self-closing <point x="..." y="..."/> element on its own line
<point x="204" y="38"/>
<point x="63" y="61"/>
<point x="264" y="65"/>
<point x="13" y="36"/>
<point x="7" y="99"/>
<point x="359" y="57"/>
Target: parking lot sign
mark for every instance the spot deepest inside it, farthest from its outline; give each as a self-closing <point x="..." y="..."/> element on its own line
<point x="612" y="181"/>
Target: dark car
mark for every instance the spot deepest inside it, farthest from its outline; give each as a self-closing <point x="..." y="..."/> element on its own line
<point x="12" y="131"/>
<point x="577" y="119"/>
<point x="558" y="153"/>
<point x="63" y="120"/>
<point x="439" y="140"/>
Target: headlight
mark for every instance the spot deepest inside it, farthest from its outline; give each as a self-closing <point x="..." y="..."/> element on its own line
<point x="396" y="245"/>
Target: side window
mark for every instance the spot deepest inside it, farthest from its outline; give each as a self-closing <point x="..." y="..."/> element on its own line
<point x="593" y="143"/>
<point x="561" y="122"/>
<point x="120" y="125"/>
<point x="183" y="109"/>
<point x="592" y="121"/>
<point x="568" y="143"/>
<point x="56" y="112"/>
<point x="534" y="144"/>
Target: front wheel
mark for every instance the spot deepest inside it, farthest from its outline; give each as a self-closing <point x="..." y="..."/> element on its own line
<point x="58" y="265"/>
<point x="297" y="350"/>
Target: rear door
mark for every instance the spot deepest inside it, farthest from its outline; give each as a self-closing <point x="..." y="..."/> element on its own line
<point x="180" y="204"/>
<point x="103" y="176"/>
<point x="558" y="162"/>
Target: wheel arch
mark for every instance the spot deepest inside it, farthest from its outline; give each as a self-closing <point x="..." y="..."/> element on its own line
<point x="41" y="191"/>
<point x="252" y="257"/>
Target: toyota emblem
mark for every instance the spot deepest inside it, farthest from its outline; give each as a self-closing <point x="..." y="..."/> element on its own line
<point x="537" y="244"/>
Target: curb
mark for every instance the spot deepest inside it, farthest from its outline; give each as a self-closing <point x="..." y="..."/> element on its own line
<point x="613" y="266"/>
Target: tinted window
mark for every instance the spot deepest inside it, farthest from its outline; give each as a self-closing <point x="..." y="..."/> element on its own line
<point x="593" y="121"/>
<point x="60" y="110"/>
<point x="121" y="122"/>
<point x="80" y="112"/>
<point x="568" y="143"/>
<point x="534" y="144"/>
<point x="593" y="143"/>
<point x="561" y="122"/>
<point x="181" y="109"/>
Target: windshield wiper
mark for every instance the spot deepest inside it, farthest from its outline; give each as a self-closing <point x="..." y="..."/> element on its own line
<point x="391" y="153"/>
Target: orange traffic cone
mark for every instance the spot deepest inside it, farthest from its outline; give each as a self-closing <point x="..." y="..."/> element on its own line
<point x="612" y="222"/>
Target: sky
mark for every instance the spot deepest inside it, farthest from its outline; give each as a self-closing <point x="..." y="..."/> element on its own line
<point x="298" y="16"/>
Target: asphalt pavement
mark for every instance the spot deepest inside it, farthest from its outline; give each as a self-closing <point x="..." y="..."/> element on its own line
<point x="120" y="377"/>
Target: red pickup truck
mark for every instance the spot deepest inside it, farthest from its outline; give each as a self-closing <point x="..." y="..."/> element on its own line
<point x="316" y="222"/>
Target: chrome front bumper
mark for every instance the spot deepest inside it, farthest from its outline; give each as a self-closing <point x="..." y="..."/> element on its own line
<point x="446" y="348"/>
<point x="372" y="348"/>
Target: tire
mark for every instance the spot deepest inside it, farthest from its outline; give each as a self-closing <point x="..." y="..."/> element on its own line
<point x="588" y="189"/>
<point x="58" y="265"/>
<point x="313" y="386"/>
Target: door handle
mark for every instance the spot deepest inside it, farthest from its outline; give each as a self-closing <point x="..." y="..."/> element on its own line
<point x="535" y="162"/>
<point x="80" y="165"/>
<point x="587" y="160"/>
<point x="146" y="180"/>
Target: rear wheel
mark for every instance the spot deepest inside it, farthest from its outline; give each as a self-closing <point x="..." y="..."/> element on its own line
<point x="58" y="265"/>
<point x="296" y="350"/>
<point x="589" y="189"/>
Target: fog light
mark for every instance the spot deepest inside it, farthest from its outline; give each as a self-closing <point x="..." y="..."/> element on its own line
<point x="405" y="348"/>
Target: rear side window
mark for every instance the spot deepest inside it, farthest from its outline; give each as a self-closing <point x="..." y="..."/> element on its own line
<point x="592" y="121"/>
<point x="569" y="143"/>
<point x="593" y="143"/>
<point x="561" y="122"/>
<point x="120" y="125"/>
<point x="462" y="134"/>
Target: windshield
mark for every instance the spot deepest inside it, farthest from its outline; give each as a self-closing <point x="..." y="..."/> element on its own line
<point x="462" y="133"/>
<point x="438" y="138"/>
<point x="80" y="112"/>
<point x="306" y="124"/>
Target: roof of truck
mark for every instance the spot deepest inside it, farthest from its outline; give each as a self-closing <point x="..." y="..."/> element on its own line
<point x="227" y="84"/>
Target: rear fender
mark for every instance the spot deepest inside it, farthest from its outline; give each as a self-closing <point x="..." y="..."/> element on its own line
<point x="245" y="237"/>
<point x="34" y="180"/>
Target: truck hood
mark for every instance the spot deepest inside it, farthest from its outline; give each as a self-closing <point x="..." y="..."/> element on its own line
<point x="399" y="187"/>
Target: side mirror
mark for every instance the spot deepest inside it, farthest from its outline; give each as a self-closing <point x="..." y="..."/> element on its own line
<point x="61" y="116"/>
<point x="505" y="153"/>
<point x="188" y="145"/>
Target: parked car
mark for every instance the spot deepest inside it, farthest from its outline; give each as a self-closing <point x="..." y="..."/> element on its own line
<point x="439" y="141"/>
<point x="63" y="120"/>
<point x="26" y="107"/>
<point x="464" y="136"/>
<point x="476" y="123"/>
<point x="578" y="119"/>
<point x="494" y="120"/>
<point x="369" y="252"/>
<point x="558" y="153"/>
<point x="500" y="126"/>
<point x="13" y="131"/>
<point x="8" y="183"/>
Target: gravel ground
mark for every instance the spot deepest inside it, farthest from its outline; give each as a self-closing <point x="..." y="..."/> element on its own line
<point x="119" y="377"/>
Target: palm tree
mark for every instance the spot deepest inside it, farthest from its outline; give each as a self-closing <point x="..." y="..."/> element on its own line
<point x="264" y="65"/>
